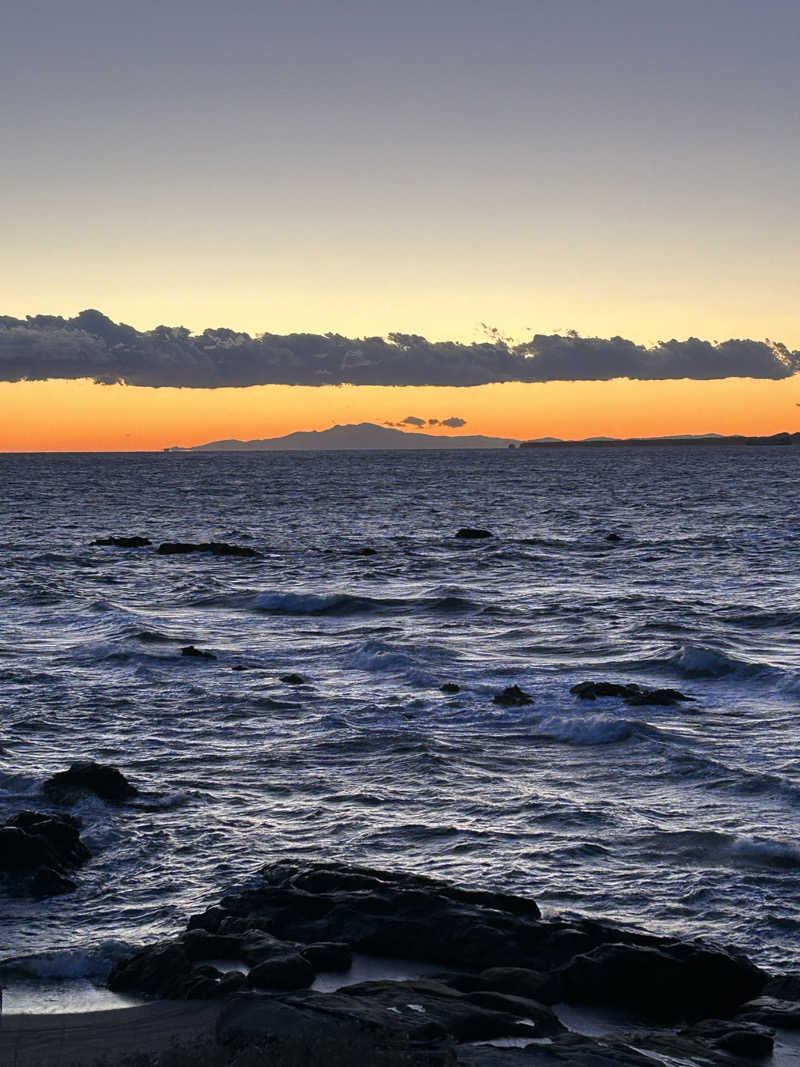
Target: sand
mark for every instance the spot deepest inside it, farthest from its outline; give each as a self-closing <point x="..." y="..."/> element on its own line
<point x="81" y="1039"/>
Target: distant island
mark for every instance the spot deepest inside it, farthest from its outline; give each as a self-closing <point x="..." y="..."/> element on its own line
<point x="365" y="436"/>
<point x="368" y="436"/>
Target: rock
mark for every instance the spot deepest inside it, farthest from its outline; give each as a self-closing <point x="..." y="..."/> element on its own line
<point x="293" y="679"/>
<point x="784" y="986"/>
<point x="215" y="548"/>
<point x="517" y="981"/>
<point x="771" y="1011"/>
<point x="36" y="851"/>
<point x="49" y="883"/>
<point x="166" y="970"/>
<point x="740" y="1038"/>
<point x="123" y="542"/>
<point x="366" y="551"/>
<point x="659" y="697"/>
<point x="613" y="537"/>
<point x="470" y="533"/>
<point x="85" y="776"/>
<point x="450" y="687"/>
<point x="282" y="972"/>
<point x="197" y="653"/>
<point x="673" y="980"/>
<point x="328" y="956"/>
<point x="512" y="697"/>
<point x="633" y="694"/>
<point x="239" y="667"/>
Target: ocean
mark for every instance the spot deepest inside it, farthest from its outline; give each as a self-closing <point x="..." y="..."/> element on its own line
<point x="680" y="819"/>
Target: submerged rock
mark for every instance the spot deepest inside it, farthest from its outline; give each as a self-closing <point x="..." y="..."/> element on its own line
<point x="450" y="687"/>
<point x="197" y="653"/>
<point x="512" y="697"/>
<point x="123" y="542"/>
<point x="613" y="537"/>
<point x="632" y="694"/>
<point x="215" y="548"/>
<point x="293" y="679"/>
<point x="85" y="776"/>
<point x="39" y="848"/>
<point x="471" y="533"/>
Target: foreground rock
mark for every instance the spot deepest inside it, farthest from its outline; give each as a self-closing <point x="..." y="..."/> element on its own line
<point x="214" y="548"/>
<point x="123" y="542"/>
<point x="104" y="781"/>
<point x="632" y="694"/>
<point x="38" y="850"/>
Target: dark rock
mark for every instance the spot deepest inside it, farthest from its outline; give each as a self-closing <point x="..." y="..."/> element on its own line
<point x="328" y="956"/>
<point x="103" y="780"/>
<point x="293" y="679"/>
<point x="239" y="667"/>
<point x="197" y="653"/>
<point x="450" y="687"/>
<point x="123" y="542"/>
<point x="49" y="883"/>
<point x="740" y="1038"/>
<point x="659" y="697"/>
<point x="61" y="832"/>
<point x="592" y="690"/>
<point x="512" y="697"/>
<point x="771" y="1011"/>
<point x="366" y="551"/>
<point x="673" y="980"/>
<point x="282" y="972"/>
<point x="470" y="533"/>
<point x="214" y="548"/>
<point x="201" y="945"/>
<point x="159" y="970"/>
<point x="613" y="537"/>
<point x="784" y="986"/>
<point x="516" y="981"/>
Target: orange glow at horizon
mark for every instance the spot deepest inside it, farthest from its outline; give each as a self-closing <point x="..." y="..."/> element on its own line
<point x="64" y="416"/>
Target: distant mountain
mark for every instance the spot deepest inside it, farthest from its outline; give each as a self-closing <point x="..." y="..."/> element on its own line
<point x="679" y="439"/>
<point x="366" y="436"/>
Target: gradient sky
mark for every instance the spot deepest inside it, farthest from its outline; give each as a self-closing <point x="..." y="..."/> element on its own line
<point x="619" y="167"/>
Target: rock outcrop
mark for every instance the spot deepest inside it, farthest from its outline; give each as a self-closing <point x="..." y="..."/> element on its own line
<point x="37" y="850"/>
<point x="104" y="781"/>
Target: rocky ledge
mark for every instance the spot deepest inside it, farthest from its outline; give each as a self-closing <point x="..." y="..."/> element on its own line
<point x="503" y="968"/>
<point x="38" y="850"/>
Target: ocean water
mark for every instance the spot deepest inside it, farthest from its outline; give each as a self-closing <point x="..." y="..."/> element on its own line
<point x="683" y="820"/>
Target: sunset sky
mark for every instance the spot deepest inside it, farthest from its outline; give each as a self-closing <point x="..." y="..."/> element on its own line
<point x="619" y="168"/>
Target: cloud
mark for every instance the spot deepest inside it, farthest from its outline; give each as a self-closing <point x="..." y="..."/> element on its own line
<point x="454" y="421"/>
<point x="412" y="420"/>
<point x="90" y="345"/>
<point x="433" y="422"/>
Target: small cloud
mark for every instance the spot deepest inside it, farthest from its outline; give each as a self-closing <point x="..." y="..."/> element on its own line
<point x="454" y="421"/>
<point x="413" y="420"/>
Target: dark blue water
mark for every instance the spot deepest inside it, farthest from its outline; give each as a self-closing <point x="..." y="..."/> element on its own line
<point x="681" y="819"/>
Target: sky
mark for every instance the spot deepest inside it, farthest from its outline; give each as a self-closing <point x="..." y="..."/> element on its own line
<point x="619" y="169"/>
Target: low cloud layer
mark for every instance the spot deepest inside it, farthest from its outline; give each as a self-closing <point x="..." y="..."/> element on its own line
<point x="92" y="346"/>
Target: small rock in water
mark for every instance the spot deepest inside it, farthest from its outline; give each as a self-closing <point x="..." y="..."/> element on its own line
<point x="197" y="653"/>
<point x="450" y="687"/>
<point x="49" y="883"/>
<point x="123" y="542"/>
<point x="592" y="690"/>
<point x="613" y="537"/>
<point x="39" y="847"/>
<point x="214" y="548"/>
<point x="366" y="551"/>
<point x="471" y="533"/>
<point x="662" y="697"/>
<point x="293" y="679"/>
<point x="239" y="667"/>
<point x="85" y="776"/>
<point x="512" y="697"/>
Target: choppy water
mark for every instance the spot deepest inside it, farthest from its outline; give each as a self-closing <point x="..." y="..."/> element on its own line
<point x="681" y="819"/>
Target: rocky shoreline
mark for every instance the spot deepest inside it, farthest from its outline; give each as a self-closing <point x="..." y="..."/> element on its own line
<point x="505" y="970"/>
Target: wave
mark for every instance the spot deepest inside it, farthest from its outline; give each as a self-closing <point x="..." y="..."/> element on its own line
<point x="93" y="962"/>
<point x="715" y="847"/>
<point x="353" y="604"/>
<point x="585" y="729"/>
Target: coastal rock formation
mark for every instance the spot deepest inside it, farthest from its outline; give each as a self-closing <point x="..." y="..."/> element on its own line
<point x="37" y="849"/>
<point x="104" y="781"/>
<point x="123" y="542"/>
<point x="214" y="548"/>
<point x="632" y="694"/>
<point x="512" y="697"/>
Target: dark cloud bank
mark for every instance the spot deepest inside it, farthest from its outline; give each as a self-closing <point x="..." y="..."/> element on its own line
<point x="92" y="346"/>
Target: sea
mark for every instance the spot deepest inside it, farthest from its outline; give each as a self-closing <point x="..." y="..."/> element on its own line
<point x="682" y="820"/>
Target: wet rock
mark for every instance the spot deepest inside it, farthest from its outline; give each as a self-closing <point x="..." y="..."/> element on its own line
<point x="657" y="697"/>
<point x="214" y="548"/>
<point x="593" y="690"/>
<point x="366" y="551"/>
<point x="85" y="776"/>
<point x="471" y="533"/>
<point x="784" y="986"/>
<point x="613" y="537"/>
<point x="740" y="1038"/>
<point x="123" y="542"/>
<point x="328" y="956"/>
<point x="512" y="697"/>
<point x="450" y="688"/>
<point x="771" y="1011"/>
<point x="37" y="850"/>
<point x="293" y="679"/>
<point x="167" y="970"/>
<point x="673" y="980"/>
<point x="196" y="653"/>
<point x="282" y="972"/>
